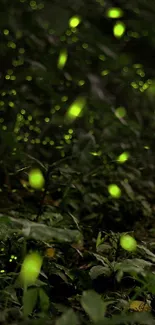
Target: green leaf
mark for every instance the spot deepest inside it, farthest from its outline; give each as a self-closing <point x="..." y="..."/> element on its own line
<point x="68" y="318"/>
<point x="44" y="300"/>
<point x="52" y="216"/>
<point x="146" y="253"/>
<point x="128" y="189"/>
<point x="99" y="270"/>
<point x="29" y="301"/>
<point x="10" y="292"/>
<point x="135" y="265"/>
<point x="102" y="259"/>
<point x="99" y="239"/>
<point x="45" y="233"/>
<point x="93" y="306"/>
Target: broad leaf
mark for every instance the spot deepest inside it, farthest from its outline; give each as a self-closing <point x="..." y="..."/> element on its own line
<point x="44" y="300"/>
<point x="29" y="301"/>
<point x="68" y="318"/>
<point x="93" y="306"/>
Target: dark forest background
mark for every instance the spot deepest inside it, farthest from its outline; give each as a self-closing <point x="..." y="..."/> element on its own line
<point x="77" y="95"/>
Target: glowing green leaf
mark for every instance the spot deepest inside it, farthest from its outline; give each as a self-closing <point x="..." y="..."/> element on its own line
<point x="62" y="58"/>
<point x="114" y="13"/>
<point x="119" y="29"/>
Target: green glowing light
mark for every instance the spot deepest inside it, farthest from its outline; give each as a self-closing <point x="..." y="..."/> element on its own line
<point x="76" y="108"/>
<point x="134" y="85"/>
<point x="85" y="46"/>
<point x="74" y="21"/>
<point x="120" y="112"/>
<point x="114" y="190"/>
<point x="128" y="243"/>
<point x="114" y="13"/>
<point x="36" y="179"/>
<point x="123" y="157"/>
<point x="64" y="99"/>
<point x="31" y="268"/>
<point x="11" y="104"/>
<point x="102" y="57"/>
<point x="13" y="92"/>
<point x="105" y="72"/>
<point x="81" y="82"/>
<point x="68" y="32"/>
<point x="57" y="107"/>
<point x="28" y="78"/>
<point x="62" y="59"/>
<point x="95" y="153"/>
<point x="119" y="29"/>
<point x="6" y="32"/>
<point x="66" y="136"/>
<point x="12" y="45"/>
